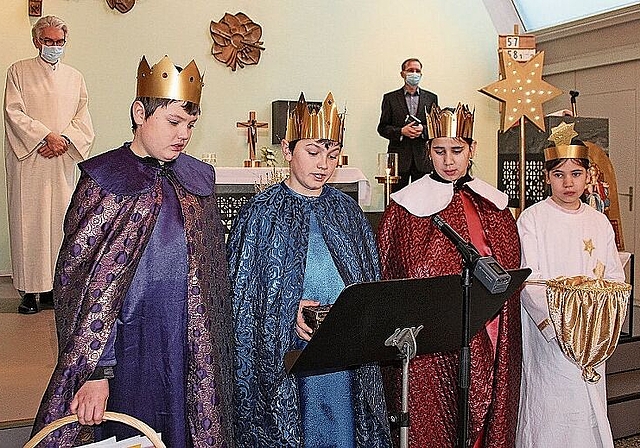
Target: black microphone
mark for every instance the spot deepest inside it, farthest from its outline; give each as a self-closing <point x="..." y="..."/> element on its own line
<point x="486" y="269"/>
<point x="467" y="250"/>
<point x="573" y="94"/>
<point x="574" y="109"/>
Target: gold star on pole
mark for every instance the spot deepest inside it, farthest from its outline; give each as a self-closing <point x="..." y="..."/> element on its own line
<point x="588" y="246"/>
<point x="522" y="90"/>
<point x="562" y="134"/>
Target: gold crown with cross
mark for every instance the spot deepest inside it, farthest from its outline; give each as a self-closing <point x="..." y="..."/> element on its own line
<point x="165" y="80"/>
<point x="449" y="122"/>
<point x="309" y="122"/>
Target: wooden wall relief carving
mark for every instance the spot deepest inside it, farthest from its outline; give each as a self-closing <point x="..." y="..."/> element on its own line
<point x="236" y="40"/>
<point x="35" y="8"/>
<point x="122" y="6"/>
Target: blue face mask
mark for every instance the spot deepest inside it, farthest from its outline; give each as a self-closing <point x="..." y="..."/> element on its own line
<point x="413" y="79"/>
<point x="51" y="54"/>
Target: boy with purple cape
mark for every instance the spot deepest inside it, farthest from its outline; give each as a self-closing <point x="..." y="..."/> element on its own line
<point x="141" y="289"/>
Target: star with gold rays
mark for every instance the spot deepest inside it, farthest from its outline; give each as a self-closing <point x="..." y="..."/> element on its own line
<point x="588" y="246"/>
<point x="562" y="134"/>
<point x="522" y="90"/>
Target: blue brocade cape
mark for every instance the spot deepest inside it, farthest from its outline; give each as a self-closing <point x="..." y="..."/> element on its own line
<point x="107" y="228"/>
<point x="267" y="252"/>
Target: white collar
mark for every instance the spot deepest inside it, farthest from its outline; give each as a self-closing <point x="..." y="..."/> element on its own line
<point x="426" y="197"/>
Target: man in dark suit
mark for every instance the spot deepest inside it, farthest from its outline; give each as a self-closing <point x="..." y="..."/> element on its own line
<point x="401" y="121"/>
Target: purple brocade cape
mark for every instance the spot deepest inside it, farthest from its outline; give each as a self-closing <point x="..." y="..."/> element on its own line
<point x="107" y="227"/>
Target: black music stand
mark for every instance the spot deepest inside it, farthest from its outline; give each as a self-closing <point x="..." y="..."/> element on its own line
<point x="367" y="316"/>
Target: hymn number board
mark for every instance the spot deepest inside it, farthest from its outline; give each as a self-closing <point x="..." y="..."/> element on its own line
<point x="520" y="47"/>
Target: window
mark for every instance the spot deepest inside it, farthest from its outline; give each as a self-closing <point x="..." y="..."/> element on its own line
<point x="538" y="14"/>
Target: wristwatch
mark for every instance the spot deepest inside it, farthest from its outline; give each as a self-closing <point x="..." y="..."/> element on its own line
<point x="102" y="373"/>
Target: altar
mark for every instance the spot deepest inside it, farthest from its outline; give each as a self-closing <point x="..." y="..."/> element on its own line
<point x="236" y="185"/>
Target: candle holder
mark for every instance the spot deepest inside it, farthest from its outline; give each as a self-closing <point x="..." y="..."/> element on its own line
<point x="387" y="173"/>
<point x="210" y="158"/>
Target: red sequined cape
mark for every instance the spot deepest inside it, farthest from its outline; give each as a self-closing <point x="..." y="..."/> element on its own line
<point x="412" y="247"/>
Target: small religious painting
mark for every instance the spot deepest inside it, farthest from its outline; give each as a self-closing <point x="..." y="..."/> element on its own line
<point x="236" y="41"/>
<point x="122" y="6"/>
<point x="601" y="190"/>
<point x="597" y="190"/>
<point x="35" y="8"/>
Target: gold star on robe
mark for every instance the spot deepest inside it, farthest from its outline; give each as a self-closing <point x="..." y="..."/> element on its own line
<point x="598" y="271"/>
<point x="522" y="90"/>
<point x="588" y="246"/>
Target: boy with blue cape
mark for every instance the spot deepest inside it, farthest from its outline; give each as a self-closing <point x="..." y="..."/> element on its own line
<point x="297" y="244"/>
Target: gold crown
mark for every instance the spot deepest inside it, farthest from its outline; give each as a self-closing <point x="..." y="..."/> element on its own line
<point x="163" y="80"/>
<point x="447" y="122"/>
<point x="308" y="122"/>
<point x="562" y="135"/>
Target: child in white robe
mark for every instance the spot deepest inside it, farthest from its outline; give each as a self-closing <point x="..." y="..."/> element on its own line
<point x="561" y="236"/>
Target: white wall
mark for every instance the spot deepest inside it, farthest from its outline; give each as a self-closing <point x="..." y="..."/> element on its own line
<point x="352" y="47"/>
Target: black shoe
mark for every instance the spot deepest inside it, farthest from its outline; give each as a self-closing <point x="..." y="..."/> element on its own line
<point x="46" y="300"/>
<point x="28" y="304"/>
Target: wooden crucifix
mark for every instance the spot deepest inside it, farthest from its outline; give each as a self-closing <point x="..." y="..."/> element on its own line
<point x="252" y="125"/>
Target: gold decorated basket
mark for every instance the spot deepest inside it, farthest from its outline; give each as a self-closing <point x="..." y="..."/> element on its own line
<point x="110" y="416"/>
<point x="587" y="315"/>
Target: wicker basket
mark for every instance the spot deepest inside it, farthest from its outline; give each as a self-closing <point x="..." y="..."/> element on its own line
<point x="587" y="315"/>
<point x="111" y="416"/>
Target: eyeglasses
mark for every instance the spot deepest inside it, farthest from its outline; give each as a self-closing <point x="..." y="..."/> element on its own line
<point x="51" y="42"/>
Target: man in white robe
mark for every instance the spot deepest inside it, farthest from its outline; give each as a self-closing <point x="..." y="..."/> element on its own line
<point x="48" y="130"/>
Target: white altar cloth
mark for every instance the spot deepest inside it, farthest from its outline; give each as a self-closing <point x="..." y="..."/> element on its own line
<point x="250" y="176"/>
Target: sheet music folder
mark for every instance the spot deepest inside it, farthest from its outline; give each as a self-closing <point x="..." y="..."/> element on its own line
<point x="366" y="314"/>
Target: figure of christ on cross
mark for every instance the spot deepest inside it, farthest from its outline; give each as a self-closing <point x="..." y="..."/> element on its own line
<point x="252" y="126"/>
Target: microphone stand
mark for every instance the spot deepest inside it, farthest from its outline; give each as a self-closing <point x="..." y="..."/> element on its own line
<point x="470" y="257"/>
<point x="464" y="373"/>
